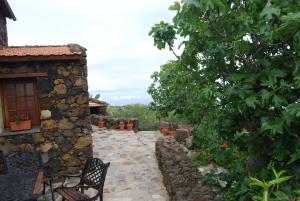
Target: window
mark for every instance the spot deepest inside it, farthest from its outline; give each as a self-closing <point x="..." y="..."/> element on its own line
<point x="19" y="96"/>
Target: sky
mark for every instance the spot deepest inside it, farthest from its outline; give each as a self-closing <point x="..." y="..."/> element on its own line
<point x="121" y="55"/>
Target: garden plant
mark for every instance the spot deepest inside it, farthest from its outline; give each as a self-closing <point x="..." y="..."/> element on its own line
<point x="237" y="80"/>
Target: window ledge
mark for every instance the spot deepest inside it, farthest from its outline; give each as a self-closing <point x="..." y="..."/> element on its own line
<point x="35" y="129"/>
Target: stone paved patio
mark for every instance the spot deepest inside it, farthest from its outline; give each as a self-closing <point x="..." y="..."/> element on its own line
<point x="133" y="174"/>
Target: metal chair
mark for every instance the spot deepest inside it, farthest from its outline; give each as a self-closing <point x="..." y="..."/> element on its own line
<point x="24" y="162"/>
<point x="25" y="165"/>
<point x="93" y="176"/>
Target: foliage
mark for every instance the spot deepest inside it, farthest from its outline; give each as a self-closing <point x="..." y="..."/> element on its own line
<point x="147" y="118"/>
<point x="21" y="117"/>
<point x="237" y="79"/>
<point x="97" y="96"/>
<point x="271" y="189"/>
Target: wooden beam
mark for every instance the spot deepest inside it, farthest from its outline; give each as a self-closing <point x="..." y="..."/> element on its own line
<point x="38" y="183"/>
<point x="23" y="75"/>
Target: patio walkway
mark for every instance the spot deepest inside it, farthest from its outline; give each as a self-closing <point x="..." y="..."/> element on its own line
<point x="133" y="174"/>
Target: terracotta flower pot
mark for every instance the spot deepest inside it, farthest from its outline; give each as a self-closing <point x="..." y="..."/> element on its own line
<point x="165" y="131"/>
<point x="130" y="126"/>
<point x="101" y="123"/>
<point x="121" y="126"/>
<point x="20" y="125"/>
<point x="172" y="133"/>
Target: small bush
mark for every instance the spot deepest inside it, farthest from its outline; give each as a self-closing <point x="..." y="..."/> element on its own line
<point x="147" y="118"/>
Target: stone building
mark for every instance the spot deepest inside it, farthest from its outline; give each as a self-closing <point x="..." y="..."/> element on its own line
<point x="47" y="84"/>
<point x="97" y="106"/>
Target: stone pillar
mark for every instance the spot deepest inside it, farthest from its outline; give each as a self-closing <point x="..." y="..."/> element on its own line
<point x="3" y="33"/>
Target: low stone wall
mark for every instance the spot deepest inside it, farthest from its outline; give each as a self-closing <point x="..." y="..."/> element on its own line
<point x="180" y="175"/>
<point x="113" y="123"/>
<point x="173" y="126"/>
<point x="182" y="132"/>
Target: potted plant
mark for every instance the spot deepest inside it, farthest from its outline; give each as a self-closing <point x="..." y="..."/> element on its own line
<point x="122" y="126"/>
<point x="21" y="123"/>
<point x="130" y="125"/>
<point x="101" y="123"/>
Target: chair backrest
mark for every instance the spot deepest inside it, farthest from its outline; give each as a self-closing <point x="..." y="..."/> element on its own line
<point x="94" y="173"/>
<point x="23" y="162"/>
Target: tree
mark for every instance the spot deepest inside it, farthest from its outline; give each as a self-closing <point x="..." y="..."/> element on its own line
<point x="238" y="75"/>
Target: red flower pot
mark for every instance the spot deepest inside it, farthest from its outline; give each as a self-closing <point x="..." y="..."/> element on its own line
<point x="101" y="124"/>
<point x="121" y="126"/>
<point x="20" y="125"/>
<point x="130" y="126"/>
<point x="165" y="131"/>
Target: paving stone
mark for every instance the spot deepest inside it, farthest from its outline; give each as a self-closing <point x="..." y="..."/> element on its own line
<point x="133" y="174"/>
<point x="133" y="165"/>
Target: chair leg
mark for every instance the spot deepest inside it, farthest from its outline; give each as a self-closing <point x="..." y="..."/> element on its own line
<point x="51" y="190"/>
<point x="44" y="188"/>
<point x="101" y="197"/>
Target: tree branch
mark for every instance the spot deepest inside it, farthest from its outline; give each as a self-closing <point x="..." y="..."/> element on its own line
<point x="171" y="48"/>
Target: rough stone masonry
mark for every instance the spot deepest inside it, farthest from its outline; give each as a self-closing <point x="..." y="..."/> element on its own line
<point x="3" y="32"/>
<point x="180" y="175"/>
<point x="65" y="137"/>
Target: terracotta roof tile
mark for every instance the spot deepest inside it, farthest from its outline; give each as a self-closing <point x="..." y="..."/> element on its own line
<point x="97" y="103"/>
<point x="38" y="51"/>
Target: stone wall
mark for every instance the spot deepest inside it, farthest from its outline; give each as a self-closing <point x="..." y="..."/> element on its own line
<point x="180" y="175"/>
<point x="3" y="32"/>
<point x="183" y="133"/>
<point x="65" y="138"/>
<point x="113" y="123"/>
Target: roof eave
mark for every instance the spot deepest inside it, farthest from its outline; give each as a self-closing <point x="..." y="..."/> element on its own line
<point x="9" y="13"/>
<point x="39" y="58"/>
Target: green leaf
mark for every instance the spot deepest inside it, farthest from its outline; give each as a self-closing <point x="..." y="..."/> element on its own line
<point x="192" y="2"/>
<point x="269" y="11"/>
<point x="251" y="101"/>
<point x="297" y="192"/>
<point x="176" y="6"/>
<point x="279" y="101"/>
<point x="281" y="196"/>
<point x="257" y="182"/>
<point x="294" y="157"/>
<point x="279" y="180"/>
<point x="277" y="73"/>
<point x="97" y="96"/>
<point x="275" y="126"/>
<point x="291" y="17"/>
<point x="265" y="95"/>
<point x="219" y="4"/>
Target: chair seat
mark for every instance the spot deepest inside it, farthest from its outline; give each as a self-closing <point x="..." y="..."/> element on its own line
<point x="71" y="194"/>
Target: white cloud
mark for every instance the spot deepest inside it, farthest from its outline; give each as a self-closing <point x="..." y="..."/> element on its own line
<point x="120" y="52"/>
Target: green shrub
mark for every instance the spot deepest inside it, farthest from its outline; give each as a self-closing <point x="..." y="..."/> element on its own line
<point x="237" y="78"/>
<point x="147" y="118"/>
